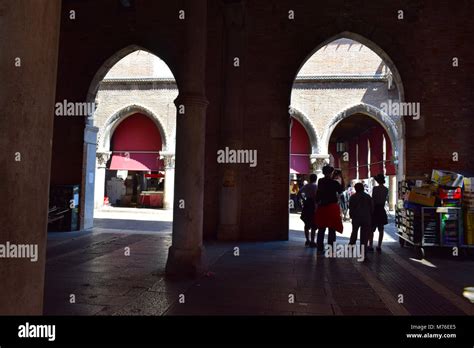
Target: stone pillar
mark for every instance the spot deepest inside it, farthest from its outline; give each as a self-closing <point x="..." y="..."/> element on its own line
<point x="28" y="68"/>
<point x="186" y="255"/>
<point x="231" y="127"/>
<point x="392" y="202"/>
<point x="99" y="189"/>
<point x="169" y="160"/>
<point x="88" y="179"/>
<point x="318" y="161"/>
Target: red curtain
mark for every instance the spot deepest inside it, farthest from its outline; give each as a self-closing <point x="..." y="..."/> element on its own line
<point x="376" y="150"/>
<point x="389" y="166"/>
<point x="352" y="159"/>
<point x="300" y="145"/>
<point x="136" y="133"/>
<point x="135" y="144"/>
<point x="299" y="139"/>
<point x="363" y="154"/>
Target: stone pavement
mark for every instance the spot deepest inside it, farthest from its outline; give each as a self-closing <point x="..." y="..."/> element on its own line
<point x="266" y="278"/>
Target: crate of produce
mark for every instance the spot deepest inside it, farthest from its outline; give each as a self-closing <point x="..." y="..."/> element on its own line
<point x="422" y="199"/>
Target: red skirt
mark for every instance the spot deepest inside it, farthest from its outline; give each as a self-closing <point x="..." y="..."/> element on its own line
<point x="328" y="216"/>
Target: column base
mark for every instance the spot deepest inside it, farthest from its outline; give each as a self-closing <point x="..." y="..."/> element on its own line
<point x="186" y="263"/>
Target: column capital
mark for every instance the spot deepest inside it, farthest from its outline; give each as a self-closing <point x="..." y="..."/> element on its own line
<point x="168" y="159"/>
<point x="318" y="161"/>
<point x="102" y="158"/>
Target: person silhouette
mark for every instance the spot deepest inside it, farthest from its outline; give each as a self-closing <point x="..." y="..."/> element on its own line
<point x="308" y="193"/>
<point x="379" y="217"/>
<point x="328" y="213"/>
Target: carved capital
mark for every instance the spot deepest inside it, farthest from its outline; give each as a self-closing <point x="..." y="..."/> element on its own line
<point x="318" y="161"/>
<point x="168" y="159"/>
<point x="102" y="158"/>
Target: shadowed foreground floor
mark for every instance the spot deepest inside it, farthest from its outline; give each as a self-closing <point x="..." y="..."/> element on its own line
<point x="266" y="278"/>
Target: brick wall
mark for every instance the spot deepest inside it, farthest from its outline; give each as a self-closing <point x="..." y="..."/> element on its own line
<point x="421" y="46"/>
<point x="156" y="97"/>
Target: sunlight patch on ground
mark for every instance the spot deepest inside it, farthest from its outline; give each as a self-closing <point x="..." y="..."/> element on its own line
<point x="134" y="214"/>
<point x="424" y="262"/>
<point x="469" y="293"/>
<point x="296" y="224"/>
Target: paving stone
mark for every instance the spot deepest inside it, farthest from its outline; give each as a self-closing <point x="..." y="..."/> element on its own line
<point x="257" y="282"/>
<point x="148" y="303"/>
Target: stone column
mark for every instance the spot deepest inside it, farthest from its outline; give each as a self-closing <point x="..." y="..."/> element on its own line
<point x="101" y="166"/>
<point x="169" y="160"/>
<point x="392" y="202"/>
<point x="186" y="255"/>
<point x="318" y="161"/>
<point x="231" y="127"/>
<point x="88" y="179"/>
<point x="29" y="32"/>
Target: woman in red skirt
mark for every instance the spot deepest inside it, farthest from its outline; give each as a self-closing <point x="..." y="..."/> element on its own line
<point x="328" y="213"/>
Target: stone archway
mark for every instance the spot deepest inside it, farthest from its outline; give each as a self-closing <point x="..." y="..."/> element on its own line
<point x="397" y="79"/>
<point x="106" y="132"/>
<point x="106" y="66"/>
<point x="308" y="126"/>
<point x="103" y="152"/>
<point x="393" y="129"/>
<point x="97" y="145"/>
<point x="317" y="160"/>
<point x="396" y="130"/>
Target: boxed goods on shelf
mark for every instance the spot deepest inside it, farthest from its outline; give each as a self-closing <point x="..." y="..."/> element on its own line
<point x="468" y="184"/>
<point x="447" y="178"/>
<point x="430" y="226"/>
<point x="450" y="225"/>
<point x="468" y="200"/>
<point x="469" y="227"/>
<point x="421" y="198"/>
<point x="453" y="193"/>
<point x="468" y="203"/>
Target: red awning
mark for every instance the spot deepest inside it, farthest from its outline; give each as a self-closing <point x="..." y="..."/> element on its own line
<point x="136" y="161"/>
<point x="154" y="176"/>
<point x="300" y="164"/>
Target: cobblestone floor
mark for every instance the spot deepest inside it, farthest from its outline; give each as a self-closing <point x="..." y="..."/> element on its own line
<point x="92" y="273"/>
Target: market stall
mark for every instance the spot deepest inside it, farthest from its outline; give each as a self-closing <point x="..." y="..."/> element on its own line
<point x="436" y="211"/>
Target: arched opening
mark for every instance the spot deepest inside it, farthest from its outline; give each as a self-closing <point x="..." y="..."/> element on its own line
<point x="342" y="86"/>
<point x="136" y="122"/>
<point x="362" y="148"/>
<point x="135" y="166"/>
<point x="132" y="93"/>
<point x="300" y="165"/>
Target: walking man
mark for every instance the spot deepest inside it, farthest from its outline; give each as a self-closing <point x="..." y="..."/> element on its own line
<point x="308" y="193"/>
<point x="360" y="211"/>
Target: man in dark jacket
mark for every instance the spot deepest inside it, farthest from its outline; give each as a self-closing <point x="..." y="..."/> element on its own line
<point x="360" y="211"/>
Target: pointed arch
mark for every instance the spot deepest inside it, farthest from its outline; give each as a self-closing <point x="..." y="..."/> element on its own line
<point x="393" y="129"/>
<point x="108" y="64"/>
<point x="308" y="126"/>
<point x="368" y="43"/>
<point x="106" y="132"/>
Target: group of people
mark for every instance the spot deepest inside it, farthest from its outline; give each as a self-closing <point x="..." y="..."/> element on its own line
<point x="322" y="210"/>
